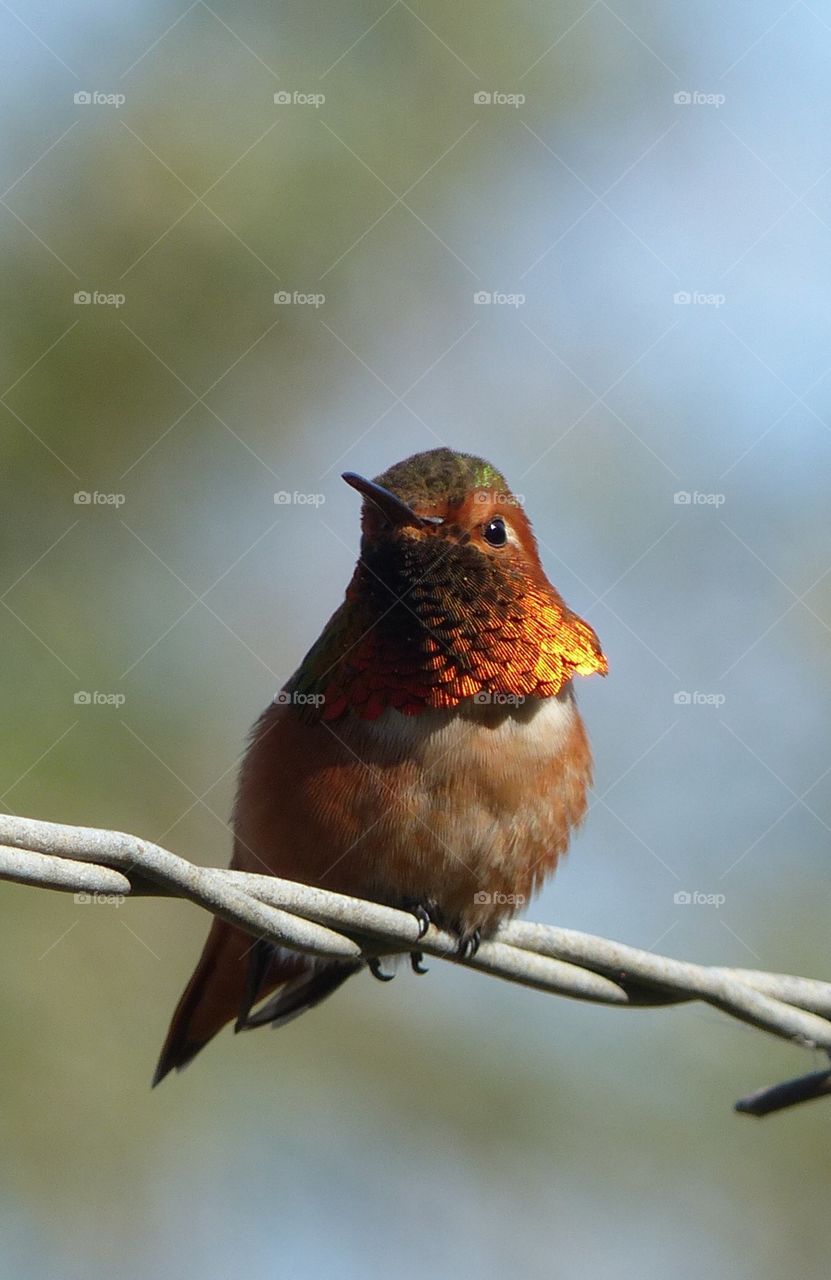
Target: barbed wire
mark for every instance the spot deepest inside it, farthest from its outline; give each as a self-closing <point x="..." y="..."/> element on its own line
<point x="93" y="861"/>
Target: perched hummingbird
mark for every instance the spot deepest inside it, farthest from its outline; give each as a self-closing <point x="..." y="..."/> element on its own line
<point x="428" y="753"/>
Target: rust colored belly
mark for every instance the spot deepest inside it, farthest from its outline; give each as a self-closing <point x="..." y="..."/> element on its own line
<point x="468" y="809"/>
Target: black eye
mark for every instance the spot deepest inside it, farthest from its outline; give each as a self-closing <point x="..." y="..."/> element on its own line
<point x="495" y="532"/>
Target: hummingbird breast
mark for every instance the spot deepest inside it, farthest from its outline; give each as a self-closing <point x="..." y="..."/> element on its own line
<point x="464" y="810"/>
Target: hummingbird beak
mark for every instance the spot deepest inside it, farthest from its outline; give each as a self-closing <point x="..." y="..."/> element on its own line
<point x="396" y="511"/>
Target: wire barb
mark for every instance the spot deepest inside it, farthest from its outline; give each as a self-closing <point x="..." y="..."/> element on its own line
<point x="90" y="860"/>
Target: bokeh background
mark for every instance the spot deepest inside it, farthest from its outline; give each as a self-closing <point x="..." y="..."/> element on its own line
<point x="649" y="209"/>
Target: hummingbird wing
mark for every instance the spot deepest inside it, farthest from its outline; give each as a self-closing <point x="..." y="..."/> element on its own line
<point x="293" y="998"/>
<point x="334" y="644"/>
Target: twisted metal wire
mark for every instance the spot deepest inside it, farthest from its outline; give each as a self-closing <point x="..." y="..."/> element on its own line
<point x="90" y="861"/>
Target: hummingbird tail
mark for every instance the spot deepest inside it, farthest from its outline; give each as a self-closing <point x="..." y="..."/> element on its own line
<point x="234" y="973"/>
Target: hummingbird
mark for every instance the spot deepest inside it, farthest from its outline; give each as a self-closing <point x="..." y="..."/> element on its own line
<point x="427" y="754"/>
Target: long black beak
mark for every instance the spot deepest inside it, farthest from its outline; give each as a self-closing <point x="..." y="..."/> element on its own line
<point x="396" y="511"/>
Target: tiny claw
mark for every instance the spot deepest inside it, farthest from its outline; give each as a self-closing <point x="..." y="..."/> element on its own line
<point x="416" y="959"/>
<point x="422" y="915"/>
<point x="377" y="972"/>
<point x="425" y="913"/>
<point x="469" y="944"/>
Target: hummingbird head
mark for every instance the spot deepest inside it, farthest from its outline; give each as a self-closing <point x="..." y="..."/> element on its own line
<point x="449" y="599"/>
<point x="442" y="519"/>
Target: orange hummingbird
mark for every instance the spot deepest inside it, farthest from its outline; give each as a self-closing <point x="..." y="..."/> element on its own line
<point x="428" y="752"/>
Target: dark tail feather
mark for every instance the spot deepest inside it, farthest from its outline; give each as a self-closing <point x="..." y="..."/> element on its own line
<point x="302" y="993"/>
<point x="233" y="973"/>
<point x="210" y="999"/>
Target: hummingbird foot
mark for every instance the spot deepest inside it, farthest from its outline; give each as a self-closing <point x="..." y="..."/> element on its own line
<point x="377" y="972"/>
<point x="425" y="914"/>
<point x="469" y="944"/>
<point x="417" y="962"/>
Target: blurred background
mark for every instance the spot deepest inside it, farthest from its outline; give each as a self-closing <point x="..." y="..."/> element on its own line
<point x="589" y="241"/>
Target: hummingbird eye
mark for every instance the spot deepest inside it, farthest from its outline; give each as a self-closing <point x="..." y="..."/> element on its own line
<point x="495" y="532"/>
